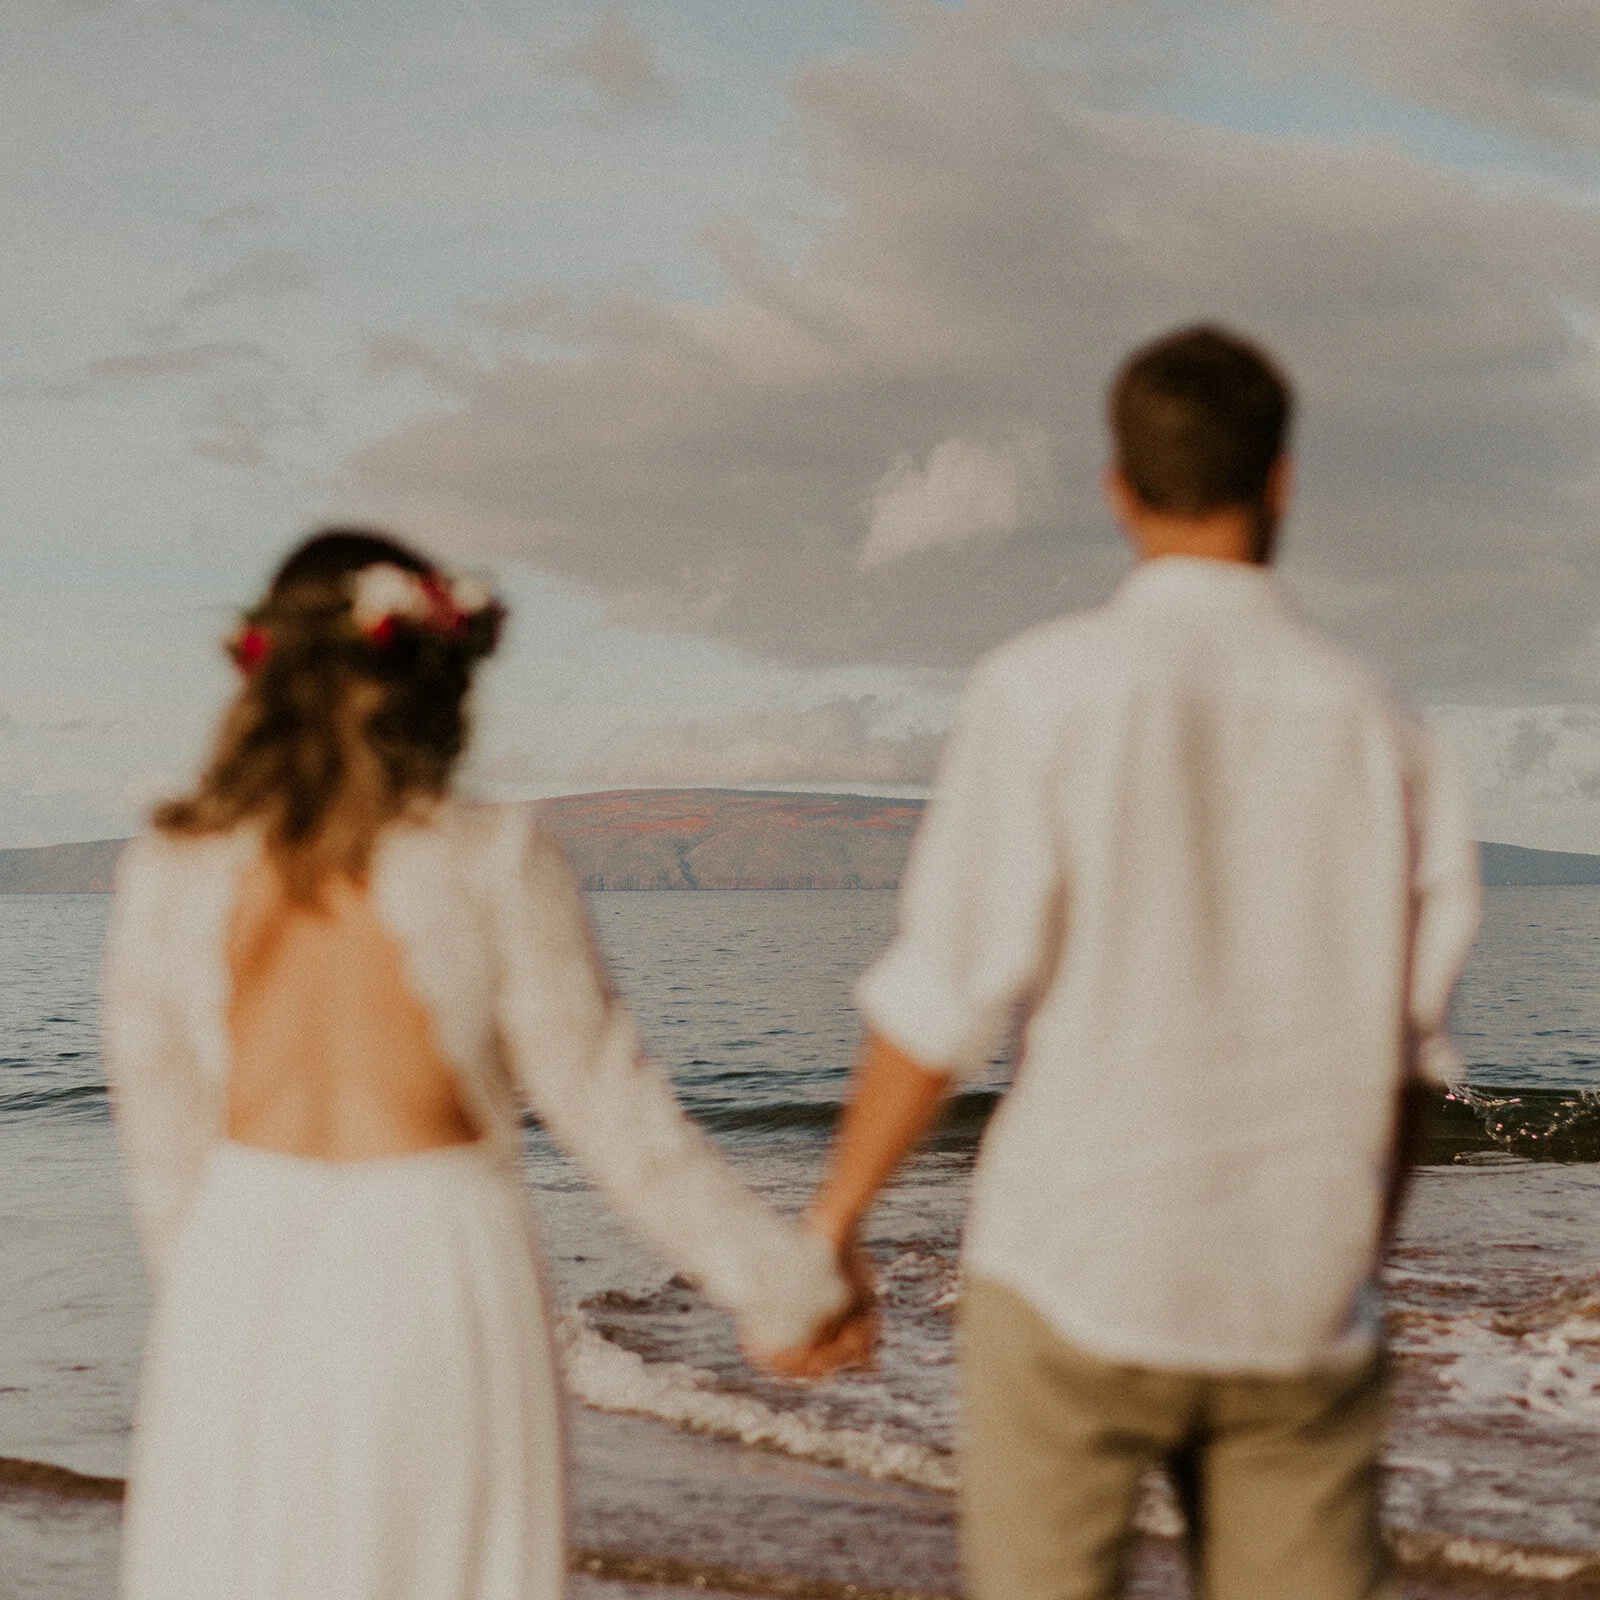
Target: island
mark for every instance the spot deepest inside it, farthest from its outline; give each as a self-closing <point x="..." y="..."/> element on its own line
<point x="636" y="839"/>
<point x="724" y="839"/>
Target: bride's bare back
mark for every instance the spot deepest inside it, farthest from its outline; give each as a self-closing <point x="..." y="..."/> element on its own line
<point x="333" y="1053"/>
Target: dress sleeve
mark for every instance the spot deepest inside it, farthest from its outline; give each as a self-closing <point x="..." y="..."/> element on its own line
<point x="576" y="1053"/>
<point x="981" y="895"/>
<point x="162" y="1113"/>
<point x="1446" y="905"/>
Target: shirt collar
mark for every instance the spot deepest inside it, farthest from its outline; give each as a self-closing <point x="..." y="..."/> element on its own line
<point x="1193" y="581"/>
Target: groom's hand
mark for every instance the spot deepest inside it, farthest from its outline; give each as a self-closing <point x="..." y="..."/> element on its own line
<point x="847" y="1340"/>
<point x="894" y="1099"/>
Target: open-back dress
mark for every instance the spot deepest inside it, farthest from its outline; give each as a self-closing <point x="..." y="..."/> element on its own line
<point x="348" y="1390"/>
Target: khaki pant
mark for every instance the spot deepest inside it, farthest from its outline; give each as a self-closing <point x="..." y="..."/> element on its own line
<point x="1279" y="1476"/>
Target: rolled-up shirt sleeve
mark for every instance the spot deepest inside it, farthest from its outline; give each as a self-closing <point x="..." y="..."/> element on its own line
<point x="979" y="896"/>
<point x="1447" y="904"/>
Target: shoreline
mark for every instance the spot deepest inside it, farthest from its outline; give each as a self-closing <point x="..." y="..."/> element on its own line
<point x="657" y="1509"/>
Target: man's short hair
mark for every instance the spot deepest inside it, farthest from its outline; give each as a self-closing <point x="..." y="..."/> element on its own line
<point x="1198" y="417"/>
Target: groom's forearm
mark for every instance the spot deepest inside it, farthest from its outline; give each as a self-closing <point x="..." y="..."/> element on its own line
<point x="893" y="1101"/>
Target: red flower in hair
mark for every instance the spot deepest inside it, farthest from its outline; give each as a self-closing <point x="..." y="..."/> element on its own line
<point x="251" y="648"/>
<point x="445" y="614"/>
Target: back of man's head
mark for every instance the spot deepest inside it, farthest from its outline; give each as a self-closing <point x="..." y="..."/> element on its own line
<point x="1199" y="416"/>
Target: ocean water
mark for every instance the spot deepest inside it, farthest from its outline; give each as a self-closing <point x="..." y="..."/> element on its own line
<point x="1493" y="1288"/>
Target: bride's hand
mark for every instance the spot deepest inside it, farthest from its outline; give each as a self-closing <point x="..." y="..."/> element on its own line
<point x="846" y="1340"/>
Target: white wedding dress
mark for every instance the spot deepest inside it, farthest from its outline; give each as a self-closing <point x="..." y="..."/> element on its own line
<point x="349" y="1391"/>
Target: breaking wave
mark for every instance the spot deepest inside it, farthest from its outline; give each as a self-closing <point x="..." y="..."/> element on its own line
<point x="1541" y="1124"/>
<point x="1473" y="1120"/>
<point x="609" y="1378"/>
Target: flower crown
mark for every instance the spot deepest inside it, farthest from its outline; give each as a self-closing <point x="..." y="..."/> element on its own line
<point x="384" y="599"/>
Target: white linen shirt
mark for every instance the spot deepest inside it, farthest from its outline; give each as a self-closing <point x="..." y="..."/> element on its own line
<point x="1233" y="887"/>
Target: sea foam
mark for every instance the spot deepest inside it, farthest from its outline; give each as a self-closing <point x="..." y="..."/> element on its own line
<point x="609" y="1378"/>
<point x="604" y="1375"/>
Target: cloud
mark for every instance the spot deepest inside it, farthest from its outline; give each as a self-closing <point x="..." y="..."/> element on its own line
<point x="239" y="424"/>
<point x="991" y="249"/>
<point x="619" y="64"/>
<point x="1534" y="770"/>
<point x="231" y="219"/>
<point x="265" y="276"/>
<point x="836" y="742"/>
<point x="247" y="400"/>
<point x="1529" y="749"/>
<point x="156" y="13"/>
<point x="202" y="358"/>
<point x="1531" y="68"/>
<point x="404" y="354"/>
<point x="64" y="10"/>
<point x="966" y="491"/>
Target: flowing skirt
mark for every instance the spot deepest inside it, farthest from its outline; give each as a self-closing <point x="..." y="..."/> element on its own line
<point x="348" y="1391"/>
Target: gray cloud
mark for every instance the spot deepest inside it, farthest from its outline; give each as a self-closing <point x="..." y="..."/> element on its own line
<point x="994" y="250"/>
<point x="236" y="218"/>
<point x="246" y="399"/>
<point x="64" y="10"/>
<point x="166" y="352"/>
<point x="1532" y="743"/>
<point x="388" y="354"/>
<point x="619" y="63"/>
<point x="1532" y="67"/>
<point x="239" y="423"/>
<point x="837" y="742"/>
<point x="156" y="13"/>
<point x="202" y="358"/>
<point x="1535" y="771"/>
<point x="265" y="276"/>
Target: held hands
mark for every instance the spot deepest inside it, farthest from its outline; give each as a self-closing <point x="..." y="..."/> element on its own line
<point x="894" y="1099"/>
<point x="844" y="1340"/>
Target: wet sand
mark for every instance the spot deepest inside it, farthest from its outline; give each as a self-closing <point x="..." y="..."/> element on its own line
<point x="658" y="1511"/>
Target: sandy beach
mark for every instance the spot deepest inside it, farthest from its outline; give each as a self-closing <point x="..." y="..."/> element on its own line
<point x="658" y="1511"/>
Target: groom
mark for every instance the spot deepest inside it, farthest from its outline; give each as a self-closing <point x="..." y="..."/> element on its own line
<point x="1229" y="886"/>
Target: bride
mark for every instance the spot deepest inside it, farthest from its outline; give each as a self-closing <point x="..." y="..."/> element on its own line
<point x="330" y="990"/>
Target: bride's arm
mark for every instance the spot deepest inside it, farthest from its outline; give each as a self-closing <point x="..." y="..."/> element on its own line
<point x="157" y="1101"/>
<point x="577" y="1055"/>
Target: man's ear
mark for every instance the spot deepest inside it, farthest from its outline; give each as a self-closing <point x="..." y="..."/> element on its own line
<point x="1121" y="501"/>
<point x="1278" y="490"/>
<point x="1276" y="493"/>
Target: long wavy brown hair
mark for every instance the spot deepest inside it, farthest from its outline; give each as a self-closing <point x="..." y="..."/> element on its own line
<point x="335" y="732"/>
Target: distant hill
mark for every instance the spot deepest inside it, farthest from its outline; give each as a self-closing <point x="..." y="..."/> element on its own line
<point x="733" y="839"/>
<point x="724" y="839"/>
<point x="637" y="839"/>
<point x="60" y="868"/>
<point x="1509" y="865"/>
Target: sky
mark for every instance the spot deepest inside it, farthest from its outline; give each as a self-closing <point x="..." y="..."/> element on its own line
<point x="757" y="352"/>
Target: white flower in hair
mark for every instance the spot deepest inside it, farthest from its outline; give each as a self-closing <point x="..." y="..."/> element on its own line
<point x="384" y="591"/>
<point x="471" y="595"/>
